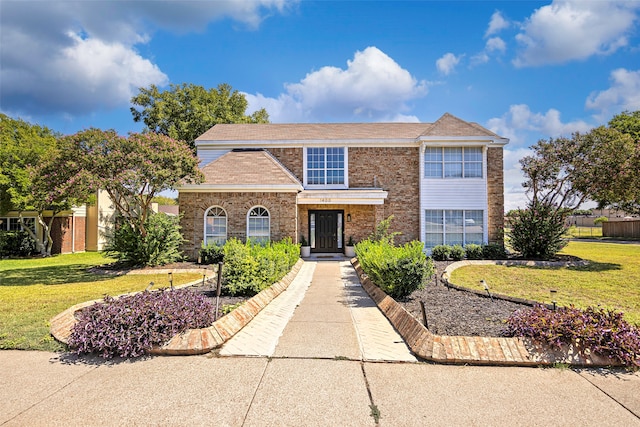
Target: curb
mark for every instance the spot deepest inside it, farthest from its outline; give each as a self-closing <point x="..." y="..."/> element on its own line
<point x="193" y="341"/>
<point x="470" y="349"/>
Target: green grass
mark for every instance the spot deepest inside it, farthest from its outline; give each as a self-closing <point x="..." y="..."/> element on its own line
<point x="32" y="291"/>
<point x="611" y="280"/>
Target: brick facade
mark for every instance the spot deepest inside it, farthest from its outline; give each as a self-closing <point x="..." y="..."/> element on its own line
<point x="397" y="171"/>
<point x="65" y="241"/>
<point x="281" y="206"/>
<point x="495" y="194"/>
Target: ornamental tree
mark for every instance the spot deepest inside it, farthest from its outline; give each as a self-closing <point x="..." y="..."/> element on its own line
<point x="131" y="170"/>
<point x="33" y="177"/>
<point x="187" y="111"/>
<point x="562" y="173"/>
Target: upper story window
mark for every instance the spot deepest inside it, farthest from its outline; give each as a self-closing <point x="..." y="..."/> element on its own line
<point x="453" y="162"/>
<point x="215" y="226"/>
<point x="258" y="225"/>
<point x="325" y="166"/>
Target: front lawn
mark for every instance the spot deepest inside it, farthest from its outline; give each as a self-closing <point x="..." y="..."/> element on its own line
<point x="611" y="280"/>
<point x="32" y="291"/>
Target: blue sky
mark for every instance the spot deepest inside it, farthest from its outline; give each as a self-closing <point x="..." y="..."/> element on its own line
<point x="524" y="69"/>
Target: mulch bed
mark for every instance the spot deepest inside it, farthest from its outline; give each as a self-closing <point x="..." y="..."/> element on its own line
<point x="454" y="312"/>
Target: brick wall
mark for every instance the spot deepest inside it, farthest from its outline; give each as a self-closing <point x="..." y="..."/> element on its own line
<point x="80" y="239"/>
<point x="281" y="207"/>
<point x="291" y="158"/>
<point x="362" y="219"/>
<point x="397" y="171"/>
<point x="495" y="192"/>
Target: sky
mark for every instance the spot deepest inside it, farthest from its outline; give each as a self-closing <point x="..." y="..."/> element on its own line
<point x="527" y="70"/>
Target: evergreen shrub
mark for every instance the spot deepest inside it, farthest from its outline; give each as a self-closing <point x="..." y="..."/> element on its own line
<point x="397" y="270"/>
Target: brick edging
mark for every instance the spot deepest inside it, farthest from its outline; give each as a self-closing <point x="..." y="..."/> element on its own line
<point x="193" y="341"/>
<point x="447" y="349"/>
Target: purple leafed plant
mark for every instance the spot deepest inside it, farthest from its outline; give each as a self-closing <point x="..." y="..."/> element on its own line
<point x="602" y="331"/>
<point x="131" y="325"/>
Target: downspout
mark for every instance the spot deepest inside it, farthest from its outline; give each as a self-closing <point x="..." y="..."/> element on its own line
<point x="73" y="232"/>
<point x="420" y="198"/>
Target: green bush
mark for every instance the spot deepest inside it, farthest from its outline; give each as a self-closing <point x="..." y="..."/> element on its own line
<point x="211" y="254"/>
<point x="473" y="251"/>
<point x="397" y="270"/>
<point x="537" y="232"/>
<point x="160" y="246"/>
<point x="457" y="253"/>
<point x="598" y="221"/>
<point x="250" y="268"/>
<point x="441" y="252"/>
<point x="16" y="244"/>
<point x="494" y="251"/>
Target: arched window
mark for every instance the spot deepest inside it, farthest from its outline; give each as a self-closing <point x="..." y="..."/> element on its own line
<point x="258" y="225"/>
<point x="215" y="226"/>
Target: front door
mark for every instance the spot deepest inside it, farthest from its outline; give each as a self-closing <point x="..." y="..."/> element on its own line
<point x="325" y="230"/>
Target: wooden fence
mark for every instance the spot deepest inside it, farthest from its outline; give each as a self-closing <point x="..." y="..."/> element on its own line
<point x="621" y="229"/>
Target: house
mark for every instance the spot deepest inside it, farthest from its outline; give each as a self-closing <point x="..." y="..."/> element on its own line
<point x="79" y="229"/>
<point x="442" y="182"/>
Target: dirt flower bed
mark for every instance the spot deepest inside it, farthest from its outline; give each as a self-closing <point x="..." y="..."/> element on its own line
<point x="453" y="312"/>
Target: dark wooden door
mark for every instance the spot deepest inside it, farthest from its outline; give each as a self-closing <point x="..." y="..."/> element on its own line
<point x="326" y="231"/>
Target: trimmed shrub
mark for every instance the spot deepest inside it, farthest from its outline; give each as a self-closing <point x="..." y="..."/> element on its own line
<point x="457" y="253"/>
<point x="598" y="221"/>
<point x="441" y="252"/>
<point x="397" y="270"/>
<point x="250" y="268"/>
<point x="494" y="251"/>
<point x="131" y="325"/>
<point x="537" y="232"/>
<point x="16" y="244"/>
<point x="160" y="246"/>
<point x="473" y="251"/>
<point x="602" y="331"/>
<point x="211" y="254"/>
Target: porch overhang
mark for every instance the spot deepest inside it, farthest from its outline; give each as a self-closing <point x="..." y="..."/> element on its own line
<point x="369" y="196"/>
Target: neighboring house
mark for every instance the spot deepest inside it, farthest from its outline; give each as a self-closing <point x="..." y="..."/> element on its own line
<point x="442" y="182"/>
<point x="78" y="230"/>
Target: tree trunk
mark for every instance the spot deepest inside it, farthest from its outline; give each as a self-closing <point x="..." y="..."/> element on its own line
<point x="39" y="244"/>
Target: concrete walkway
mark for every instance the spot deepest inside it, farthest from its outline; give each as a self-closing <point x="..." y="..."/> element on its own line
<point x="324" y="313"/>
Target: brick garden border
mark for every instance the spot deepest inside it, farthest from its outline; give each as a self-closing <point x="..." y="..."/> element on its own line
<point x="193" y="341"/>
<point x="472" y="350"/>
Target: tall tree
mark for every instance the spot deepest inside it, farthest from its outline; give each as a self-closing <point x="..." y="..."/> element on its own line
<point x="562" y="173"/>
<point x="131" y="170"/>
<point x="186" y="111"/>
<point x="32" y="177"/>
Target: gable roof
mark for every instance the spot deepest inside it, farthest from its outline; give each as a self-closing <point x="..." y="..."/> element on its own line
<point x="450" y="125"/>
<point x="246" y="135"/>
<point x="248" y="168"/>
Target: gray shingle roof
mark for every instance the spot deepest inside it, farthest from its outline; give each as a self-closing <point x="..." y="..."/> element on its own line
<point x="447" y="125"/>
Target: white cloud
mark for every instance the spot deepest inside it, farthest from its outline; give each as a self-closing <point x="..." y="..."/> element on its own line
<point x="520" y="119"/>
<point x="495" y="44"/>
<point x="447" y="63"/>
<point x="569" y="30"/>
<point x="624" y="94"/>
<point x="74" y="58"/>
<point x="373" y="87"/>
<point x="497" y="24"/>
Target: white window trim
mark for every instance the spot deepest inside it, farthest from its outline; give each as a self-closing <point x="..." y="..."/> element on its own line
<point x="226" y="223"/>
<point x="443" y="162"/>
<point x="326" y="187"/>
<point x="269" y="221"/>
